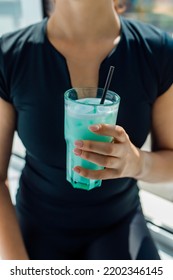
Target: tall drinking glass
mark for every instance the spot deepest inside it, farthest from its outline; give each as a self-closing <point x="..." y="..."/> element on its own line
<point x="83" y="109"/>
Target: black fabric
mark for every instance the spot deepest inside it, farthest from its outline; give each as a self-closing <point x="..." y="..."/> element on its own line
<point x="34" y="77"/>
<point x="128" y="239"/>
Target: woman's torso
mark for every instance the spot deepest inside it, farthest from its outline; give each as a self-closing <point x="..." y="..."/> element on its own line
<point x="38" y="75"/>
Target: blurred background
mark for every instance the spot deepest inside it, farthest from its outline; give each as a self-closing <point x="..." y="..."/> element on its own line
<point x="157" y="199"/>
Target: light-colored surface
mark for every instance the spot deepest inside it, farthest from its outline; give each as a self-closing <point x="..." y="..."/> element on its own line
<point x="164" y="190"/>
<point x="157" y="209"/>
<point x="18" y="147"/>
<point x="15" y="14"/>
<point x="160" y="212"/>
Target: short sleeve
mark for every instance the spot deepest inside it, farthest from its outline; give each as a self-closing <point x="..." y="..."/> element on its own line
<point x="166" y="65"/>
<point x="3" y="86"/>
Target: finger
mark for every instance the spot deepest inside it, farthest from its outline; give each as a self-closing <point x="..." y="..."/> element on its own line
<point x="110" y="130"/>
<point x="102" y="148"/>
<point x="101" y="160"/>
<point x="103" y="174"/>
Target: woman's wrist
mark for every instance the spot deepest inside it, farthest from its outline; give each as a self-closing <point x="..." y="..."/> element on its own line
<point x="143" y="165"/>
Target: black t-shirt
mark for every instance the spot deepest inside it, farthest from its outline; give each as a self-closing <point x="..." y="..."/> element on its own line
<point x="34" y="77"/>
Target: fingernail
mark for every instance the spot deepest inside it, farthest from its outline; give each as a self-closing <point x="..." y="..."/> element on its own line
<point x="94" y="127"/>
<point x="76" y="169"/>
<point x="77" y="152"/>
<point x="78" y="144"/>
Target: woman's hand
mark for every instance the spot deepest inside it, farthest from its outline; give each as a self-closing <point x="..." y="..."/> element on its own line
<point x="120" y="157"/>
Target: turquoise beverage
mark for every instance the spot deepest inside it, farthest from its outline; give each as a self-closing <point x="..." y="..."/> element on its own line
<point x="80" y="113"/>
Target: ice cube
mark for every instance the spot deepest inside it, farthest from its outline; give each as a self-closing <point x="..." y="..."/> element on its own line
<point x="79" y="110"/>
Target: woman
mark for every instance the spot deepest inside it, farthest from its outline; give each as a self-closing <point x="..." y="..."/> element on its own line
<point x="74" y="48"/>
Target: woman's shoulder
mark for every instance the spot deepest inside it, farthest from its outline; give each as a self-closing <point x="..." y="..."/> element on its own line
<point x="152" y="48"/>
<point x="145" y="33"/>
<point x="13" y="42"/>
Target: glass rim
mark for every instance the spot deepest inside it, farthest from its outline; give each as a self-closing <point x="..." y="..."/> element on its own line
<point x="117" y="101"/>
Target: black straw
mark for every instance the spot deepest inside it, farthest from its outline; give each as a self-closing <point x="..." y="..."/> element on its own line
<point x="107" y="84"/>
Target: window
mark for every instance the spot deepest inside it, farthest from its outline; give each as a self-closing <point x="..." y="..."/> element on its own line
<point x="15" y="14"/>
<point x="157" y="12"/>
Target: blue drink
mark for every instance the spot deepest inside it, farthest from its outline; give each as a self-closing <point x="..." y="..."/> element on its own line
<point x="79" y="115"/>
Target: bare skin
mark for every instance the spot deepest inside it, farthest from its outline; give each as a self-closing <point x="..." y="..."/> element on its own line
<point x="73" y="27"/>
<point x="76" y="25"/>
<point x="11" y="243"/>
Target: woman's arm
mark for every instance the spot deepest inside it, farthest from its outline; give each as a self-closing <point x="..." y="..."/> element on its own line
<point x="11" y="243"/>
<point x="158" y="165"/>
<point x="123" y="159"/>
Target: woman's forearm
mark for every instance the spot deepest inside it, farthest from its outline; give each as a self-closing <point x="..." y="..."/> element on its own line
<point x="11" y="243"/>
<point x="156" y="167"/>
